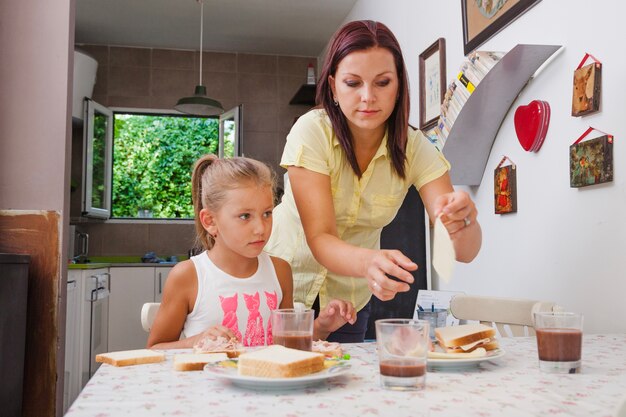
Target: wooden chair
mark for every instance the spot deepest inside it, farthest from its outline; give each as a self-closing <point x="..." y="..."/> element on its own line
<point x="512" y="313"/>
<point x="148" y="313"/>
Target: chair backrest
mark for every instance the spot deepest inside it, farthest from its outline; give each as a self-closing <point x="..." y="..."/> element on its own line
<point x="512" y="313"/>
<point x="148" y="313"/>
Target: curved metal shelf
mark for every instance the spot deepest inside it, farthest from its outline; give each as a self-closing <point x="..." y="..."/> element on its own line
<point x="472" y="135"/>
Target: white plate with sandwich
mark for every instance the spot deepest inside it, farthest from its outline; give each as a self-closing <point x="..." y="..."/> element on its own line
<point x="278" y="368"/>
<point x="464" y="346"/>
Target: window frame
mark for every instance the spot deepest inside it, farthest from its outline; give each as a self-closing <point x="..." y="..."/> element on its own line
<point x="147" y="112"/>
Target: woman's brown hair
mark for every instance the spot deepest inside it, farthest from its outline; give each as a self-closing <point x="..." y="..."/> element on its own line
<point x="358" y="36"/>
<point x="212" y="178"/>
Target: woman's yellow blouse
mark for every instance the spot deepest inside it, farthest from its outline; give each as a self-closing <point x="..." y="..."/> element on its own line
<point x="362" y="206"/>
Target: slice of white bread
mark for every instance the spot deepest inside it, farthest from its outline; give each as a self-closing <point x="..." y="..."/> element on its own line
<point x="196" y="361"/>
<point x="277" y="361"/>
<point x="328" y="349"/>
<point x="464" y="338"/>
<point x="131" y="357"/>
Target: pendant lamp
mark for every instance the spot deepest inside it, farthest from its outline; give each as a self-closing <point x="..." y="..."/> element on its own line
<point x="199" y="104"/>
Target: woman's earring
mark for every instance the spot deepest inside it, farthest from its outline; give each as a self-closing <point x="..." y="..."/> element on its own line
<point x="335" y="102"/>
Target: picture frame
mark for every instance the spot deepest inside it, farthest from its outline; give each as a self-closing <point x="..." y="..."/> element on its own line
<point x="482" y="20"/>
<point x="591" y="162"/>
<point x="505" y="189"/>
<point x="432" y="83"/>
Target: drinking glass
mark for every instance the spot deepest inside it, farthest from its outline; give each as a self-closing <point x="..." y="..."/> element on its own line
<point x="402" y="350"/>
<point x="293" y="328"/>
<point x="436" y="317"/>
<point x="559" y="341"/>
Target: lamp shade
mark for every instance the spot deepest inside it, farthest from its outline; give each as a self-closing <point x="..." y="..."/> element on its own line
<point x="199" y="104"/>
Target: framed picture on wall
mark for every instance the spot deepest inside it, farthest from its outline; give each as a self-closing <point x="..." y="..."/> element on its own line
<point x="432" y="83"/>
<point x="483" y="19"/>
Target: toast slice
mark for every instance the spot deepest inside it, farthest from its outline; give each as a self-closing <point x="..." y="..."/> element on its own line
<point x="196" y="361"/>
<point x="466" y="337"/>
<point x="131" y="357"/>
<point x="277" y="361"/>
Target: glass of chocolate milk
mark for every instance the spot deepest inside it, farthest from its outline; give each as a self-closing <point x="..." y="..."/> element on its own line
<point x="293" y="328"/>
<point x="402" y="350"/>
<point x="559" y="341"/>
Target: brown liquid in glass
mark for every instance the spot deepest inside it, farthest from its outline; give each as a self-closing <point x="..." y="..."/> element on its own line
<point x="295" y="340"/>
<point x="401" y="368"/>
<point x="559" y="345"/>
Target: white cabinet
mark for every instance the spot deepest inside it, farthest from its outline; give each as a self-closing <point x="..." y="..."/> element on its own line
<point x="131" y="287"/>
<point x="86" y="327"/>
<point x="160" y="276"/>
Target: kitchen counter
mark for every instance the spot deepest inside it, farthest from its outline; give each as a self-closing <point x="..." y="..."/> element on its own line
<point x="118" y="261"/>
<point x="91" y="265"/>
<point x="96" y="265"/>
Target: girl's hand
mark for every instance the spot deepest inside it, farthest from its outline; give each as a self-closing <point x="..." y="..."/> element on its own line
<point x="215" y="332"/>
<point x="334" y="315"/>
<point x="385" y="263"/>
<point x="457" y="211"/>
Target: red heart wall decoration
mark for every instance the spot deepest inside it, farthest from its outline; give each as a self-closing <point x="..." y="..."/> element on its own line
<point x="531" y="124"/>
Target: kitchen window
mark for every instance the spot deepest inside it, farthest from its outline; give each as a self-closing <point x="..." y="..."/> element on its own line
<point x="153" y="156"/>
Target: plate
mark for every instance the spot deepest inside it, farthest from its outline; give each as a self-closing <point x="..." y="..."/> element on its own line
<point x="227" y="370"/>
<point x="465" y="363"/>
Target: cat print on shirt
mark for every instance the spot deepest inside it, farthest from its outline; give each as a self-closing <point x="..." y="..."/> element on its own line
<point x="229" y="306"/>
<point x="271" y="299"/>
<point x="255" y="333"/>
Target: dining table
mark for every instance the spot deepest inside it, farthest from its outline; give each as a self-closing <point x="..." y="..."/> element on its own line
<point x="510" y="385"/>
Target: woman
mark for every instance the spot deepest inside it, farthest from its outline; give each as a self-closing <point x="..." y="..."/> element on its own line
<point x="351" y="162"/>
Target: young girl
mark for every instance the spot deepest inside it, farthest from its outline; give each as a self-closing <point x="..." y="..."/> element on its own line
<point x="230" y="289"/>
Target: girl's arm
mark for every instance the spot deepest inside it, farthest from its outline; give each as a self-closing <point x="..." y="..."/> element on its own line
<point x="313" y="196"/>
<point x="179" y="297"/>
<point x="439" y="197"/>
<point x="335" y="315"/>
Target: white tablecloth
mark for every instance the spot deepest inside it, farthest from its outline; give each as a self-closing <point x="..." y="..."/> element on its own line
<point x="511" y="386"/>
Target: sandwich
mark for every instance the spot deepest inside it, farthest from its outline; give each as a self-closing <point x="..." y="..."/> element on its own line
<point x="131" y="357"/>
<point x="277" y="361"/>
<point x="196" y="361"/>
<point x="328" y="349"/>
<point x="466" y="338"/>
<point x="231" y="347"/>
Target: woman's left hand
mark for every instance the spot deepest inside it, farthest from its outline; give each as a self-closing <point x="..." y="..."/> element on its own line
<point x="457" y="211"/>
<point x="334" y="315"/>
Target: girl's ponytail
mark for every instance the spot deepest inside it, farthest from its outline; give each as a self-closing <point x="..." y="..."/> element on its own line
<point x="203" y="239"/>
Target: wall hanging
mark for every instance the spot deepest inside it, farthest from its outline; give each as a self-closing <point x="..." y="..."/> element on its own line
<point x="531" y="124"/>
<point x="587" y="87"/>
<point x="591" y="162"/>
<point x="483" y="19"/>
<point x="432" y="80"/>
<point x="505" y="187"/>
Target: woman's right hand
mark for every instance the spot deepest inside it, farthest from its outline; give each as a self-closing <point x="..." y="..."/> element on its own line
<point x="384" y="263"/>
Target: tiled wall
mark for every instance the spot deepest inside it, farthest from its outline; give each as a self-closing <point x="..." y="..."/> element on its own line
<point x="155" y="79"/>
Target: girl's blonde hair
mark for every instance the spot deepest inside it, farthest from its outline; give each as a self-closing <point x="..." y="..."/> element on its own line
<point x="212" y="178"/>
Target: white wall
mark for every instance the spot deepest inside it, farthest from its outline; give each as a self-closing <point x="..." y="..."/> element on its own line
<point x="563" y="244"/>
<point x="36" y="45"/>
